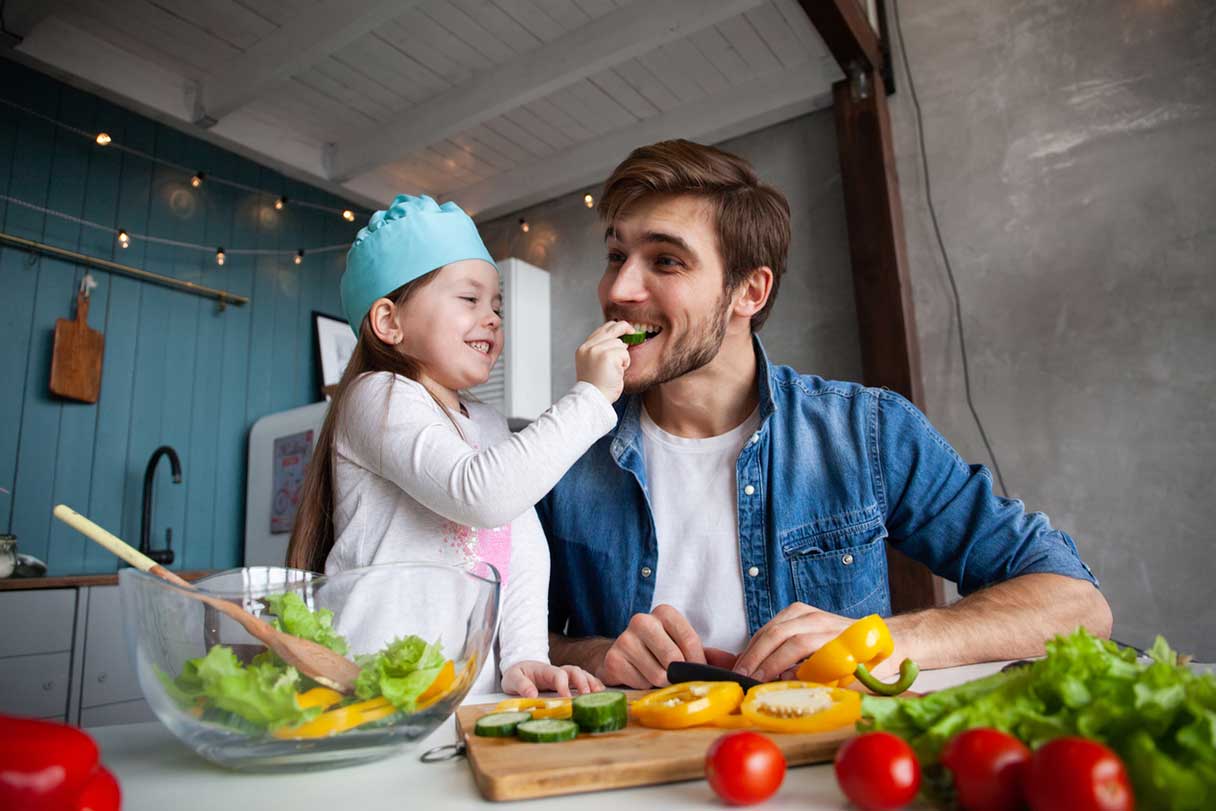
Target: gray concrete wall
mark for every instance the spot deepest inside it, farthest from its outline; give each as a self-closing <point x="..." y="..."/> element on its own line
<point x="1072" y="158"/>
<point x="1072" y="152"/>
<point x="813" y="326"/>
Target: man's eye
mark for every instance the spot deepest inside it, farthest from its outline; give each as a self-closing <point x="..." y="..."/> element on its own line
<point x="615" y="257"/>
<point x="668" y="262"/>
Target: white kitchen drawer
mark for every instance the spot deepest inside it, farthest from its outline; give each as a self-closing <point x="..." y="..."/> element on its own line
<point x="37" y="621"/>
<point x="35" y="685"/>
<point x="108" y="676"/>
<point x="125" y="712"/>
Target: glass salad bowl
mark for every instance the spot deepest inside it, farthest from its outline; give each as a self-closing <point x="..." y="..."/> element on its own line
<point x="420" y="633"/>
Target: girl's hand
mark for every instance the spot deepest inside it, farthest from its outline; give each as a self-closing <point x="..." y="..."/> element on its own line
<point x="529" y="679"/>
<point x="603" y="359"/>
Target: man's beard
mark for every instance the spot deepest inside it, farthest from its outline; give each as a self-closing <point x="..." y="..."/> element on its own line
<point x="690" y="353"/>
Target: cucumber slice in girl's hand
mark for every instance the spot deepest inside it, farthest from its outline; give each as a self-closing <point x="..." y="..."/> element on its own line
<point x="606" y="711"/>
<point x="500" y="724"/>
<point x="547" y="730"/>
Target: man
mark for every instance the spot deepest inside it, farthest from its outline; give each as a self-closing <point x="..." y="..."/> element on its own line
<point x="737" y="515"/>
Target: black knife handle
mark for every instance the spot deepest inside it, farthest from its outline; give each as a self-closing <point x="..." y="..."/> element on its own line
<point x="691" y="671"/>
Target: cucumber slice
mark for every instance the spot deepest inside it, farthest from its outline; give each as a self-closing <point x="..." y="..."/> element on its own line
<point x="633" y="338"/>
<point x="500" y="724"/>
<point x="606" y="711"/>
<point x="547" y="730"/>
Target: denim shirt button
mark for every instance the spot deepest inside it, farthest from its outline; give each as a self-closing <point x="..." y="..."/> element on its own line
<point x="847" y="560"/>
<point x="646" y="571"/>
<point x="755" y="438"/>
<point x="749" y="490"/>
<point x="753" y="571"/>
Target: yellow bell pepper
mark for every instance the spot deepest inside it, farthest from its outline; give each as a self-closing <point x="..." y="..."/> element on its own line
<point x="797" y="706"/>
<point x="866" y="642"/>
<point x="439" y="688"/>
<point x="539" y="707"/>
<point x="340" y="719"/>
<point x="318" y="697"/>
<point x="687" y="704"/>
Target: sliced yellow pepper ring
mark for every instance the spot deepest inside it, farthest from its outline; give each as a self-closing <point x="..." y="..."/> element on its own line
<point x="439" y="688"/>
<point x="798" y="706"/>
<point x="735" y="720"/>
<point x="687" y="704"/>
<point x="338" y="720"/>
<point x="318" y="697"/>
<point x="866" y="642"/>
<point x="539" y="707"/>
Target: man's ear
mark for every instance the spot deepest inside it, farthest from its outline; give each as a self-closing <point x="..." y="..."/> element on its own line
<point x="751" y="296"/>
<point x="382" y="318"/>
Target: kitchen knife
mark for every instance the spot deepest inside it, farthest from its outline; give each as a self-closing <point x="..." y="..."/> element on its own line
<point x="691" y="671"/>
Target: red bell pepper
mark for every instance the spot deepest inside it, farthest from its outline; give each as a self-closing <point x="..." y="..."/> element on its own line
<point x="44" y="765"/>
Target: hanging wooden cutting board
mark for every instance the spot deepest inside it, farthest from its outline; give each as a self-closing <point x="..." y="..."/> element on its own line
<point x="76" y="357"/>
<point x="511" y="769"/>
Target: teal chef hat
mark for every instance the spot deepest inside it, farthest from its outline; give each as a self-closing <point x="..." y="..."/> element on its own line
<point x="413" y="237"/>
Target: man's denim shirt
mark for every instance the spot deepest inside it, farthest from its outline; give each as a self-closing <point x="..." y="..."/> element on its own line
<point x="835" y="471"/>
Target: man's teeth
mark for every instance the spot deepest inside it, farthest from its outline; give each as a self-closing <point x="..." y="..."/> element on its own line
<point x="649" y="329"/>
<point x="481" y="346"/>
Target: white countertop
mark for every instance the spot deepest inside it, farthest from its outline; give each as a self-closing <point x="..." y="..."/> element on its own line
<point x="158" y="772"/>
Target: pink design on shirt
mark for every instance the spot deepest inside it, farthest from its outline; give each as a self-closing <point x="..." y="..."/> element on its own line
<point x="478" y="547"/>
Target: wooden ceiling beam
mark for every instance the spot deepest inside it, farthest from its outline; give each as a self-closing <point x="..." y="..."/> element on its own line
<point x="847" y="33"/>
<point x="758" y="103"/>
<point x="615" y="38"/>
<point x="305" y="41"/>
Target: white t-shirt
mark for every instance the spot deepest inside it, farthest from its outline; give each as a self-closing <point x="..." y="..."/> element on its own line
<point x="408" y="487"/>
<point x="693" y="497"/>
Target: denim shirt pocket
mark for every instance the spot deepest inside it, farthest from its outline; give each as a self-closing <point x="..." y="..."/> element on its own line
<point x="838" y="563"/>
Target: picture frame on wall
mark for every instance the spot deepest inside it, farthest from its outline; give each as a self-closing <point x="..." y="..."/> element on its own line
<point x="335" y="343"/>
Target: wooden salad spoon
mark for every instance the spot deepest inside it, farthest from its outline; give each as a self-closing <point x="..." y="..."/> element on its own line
<point x="313" y="659"/>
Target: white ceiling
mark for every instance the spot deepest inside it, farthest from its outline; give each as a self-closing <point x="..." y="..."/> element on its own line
<point x="494" y="103"/>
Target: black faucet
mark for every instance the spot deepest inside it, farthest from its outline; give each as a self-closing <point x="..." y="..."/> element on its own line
<point x="161" y="556"/>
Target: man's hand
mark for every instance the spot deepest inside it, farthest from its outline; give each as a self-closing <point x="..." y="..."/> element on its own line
<point x="639" y="657"/>
<point x="791" y="636"/>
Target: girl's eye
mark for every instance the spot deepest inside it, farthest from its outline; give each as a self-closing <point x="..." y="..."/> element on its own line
<point x="470" y="299"/>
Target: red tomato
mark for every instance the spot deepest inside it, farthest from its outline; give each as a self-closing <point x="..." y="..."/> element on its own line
<point x="101" y="793"/>
<point x="1077" y="774"/>
<point x="987" y="766"/>
<point x="878" y="771"/>
<point x="42" y="764"/>
<point x="744" y="767"/>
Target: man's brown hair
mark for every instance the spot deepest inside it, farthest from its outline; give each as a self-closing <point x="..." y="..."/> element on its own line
<point x="752" y="218"/>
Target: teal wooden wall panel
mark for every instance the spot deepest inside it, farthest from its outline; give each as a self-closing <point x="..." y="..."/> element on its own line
<point x="178" y="370"/>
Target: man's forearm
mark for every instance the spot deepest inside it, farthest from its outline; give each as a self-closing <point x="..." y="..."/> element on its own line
<point x="1010" y="620"/>
<point x="585" y="652"/>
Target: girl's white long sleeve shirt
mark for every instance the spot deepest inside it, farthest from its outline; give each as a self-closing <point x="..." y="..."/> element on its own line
<point x="409" y="487"/>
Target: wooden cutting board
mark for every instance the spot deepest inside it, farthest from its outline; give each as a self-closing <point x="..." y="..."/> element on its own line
<point x="511" y="769"/>
<point x="76" y="358"/>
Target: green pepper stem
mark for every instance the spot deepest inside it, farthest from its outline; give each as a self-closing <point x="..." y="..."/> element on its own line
<point x="908" y="671"/>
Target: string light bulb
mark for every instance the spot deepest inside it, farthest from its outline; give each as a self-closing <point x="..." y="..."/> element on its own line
<point x="348" y="215"/>
<point x="124" y="239"/>
<point x="103" y="139"/>
<point x="197" y="181"/>
<point x="219" y="255"/>
<point x="523" y="225"/>
<point x="299" y="256"/>
<point x="588" y="200"/>
<point x="278" y="204"/>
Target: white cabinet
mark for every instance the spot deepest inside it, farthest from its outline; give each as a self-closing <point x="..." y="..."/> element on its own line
<point x="36" y="652"/>
<point x="63" y="655"/>
<point x="108" y="676"/>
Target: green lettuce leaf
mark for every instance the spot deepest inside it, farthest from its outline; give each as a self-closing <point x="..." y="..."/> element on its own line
<point x="262" y="694"/>
<point x="297" y="619"/>
<point x="400" y="672"/>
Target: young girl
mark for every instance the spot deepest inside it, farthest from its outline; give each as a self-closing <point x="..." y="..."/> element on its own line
<point x="404" y="469"/>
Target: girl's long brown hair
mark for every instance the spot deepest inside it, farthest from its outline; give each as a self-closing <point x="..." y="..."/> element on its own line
<point x="312" y="535"/>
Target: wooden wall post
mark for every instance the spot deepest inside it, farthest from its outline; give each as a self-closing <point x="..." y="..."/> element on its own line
<point x="890" y="351"/>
